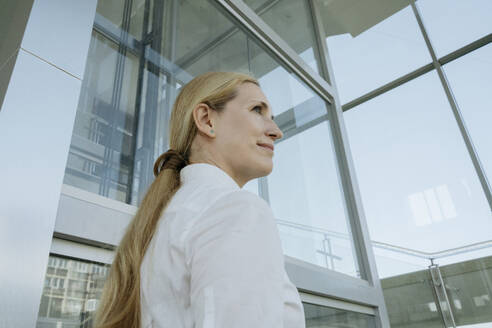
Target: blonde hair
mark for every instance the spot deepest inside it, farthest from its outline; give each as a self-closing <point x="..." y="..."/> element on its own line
<point x="120" y="301"/>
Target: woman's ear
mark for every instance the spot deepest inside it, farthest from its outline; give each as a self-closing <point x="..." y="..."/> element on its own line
<point x="204" y="117"/>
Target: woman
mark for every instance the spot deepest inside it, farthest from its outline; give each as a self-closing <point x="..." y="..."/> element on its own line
<point x="202" y="252"/>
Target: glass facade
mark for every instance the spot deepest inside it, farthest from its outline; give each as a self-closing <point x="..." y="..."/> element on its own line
<point x="425" y="198"/>
<point x="409" y="184"/>
<point x="304" y="192"/>
<point x="129" y="87"/>
<point x="128" y="90"/>
<point x="422" y="177"/>
<point x="73" y="289"/>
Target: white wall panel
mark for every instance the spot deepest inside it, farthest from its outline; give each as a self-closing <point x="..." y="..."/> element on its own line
<point x="36" y="125"/>
<point x="59" y="31"/>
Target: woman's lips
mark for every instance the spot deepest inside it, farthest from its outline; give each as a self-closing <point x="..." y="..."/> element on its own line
<point x="267" y="146"/>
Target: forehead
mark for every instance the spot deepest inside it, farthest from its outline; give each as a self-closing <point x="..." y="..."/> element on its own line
<point x="248" y="92"/>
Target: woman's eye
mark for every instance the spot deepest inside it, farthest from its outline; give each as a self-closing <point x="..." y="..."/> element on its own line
<point x="257" y="107"/>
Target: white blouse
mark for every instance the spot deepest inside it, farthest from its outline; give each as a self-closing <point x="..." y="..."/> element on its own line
<point x="216" y="260"/>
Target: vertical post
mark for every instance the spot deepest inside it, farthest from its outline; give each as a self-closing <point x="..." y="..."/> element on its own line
<point x="114" y="120"/>
<point x="358" y="224"/>
<point x="145" y="153"/>
<point x="442" y="300"/>
<point x="132" y="195"/>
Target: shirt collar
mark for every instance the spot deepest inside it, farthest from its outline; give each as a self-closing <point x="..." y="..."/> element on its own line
<point x="204" y="173"/>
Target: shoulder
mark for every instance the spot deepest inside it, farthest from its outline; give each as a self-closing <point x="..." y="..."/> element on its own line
<point x="233" y="211"/>
<point x="236" y="219"/>
<point x="238" y="203"/>
<point x="242" y="196"/>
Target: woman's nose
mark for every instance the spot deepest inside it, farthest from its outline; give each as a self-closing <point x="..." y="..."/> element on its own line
<point x="276" y="133"/>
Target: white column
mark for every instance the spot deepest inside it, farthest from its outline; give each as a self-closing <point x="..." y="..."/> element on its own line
<point x="36" y="122"/>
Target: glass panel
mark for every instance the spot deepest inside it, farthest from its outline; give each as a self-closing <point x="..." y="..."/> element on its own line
<point x="410" y="300"/>
<point x="101" y="149"/>
<point x="421" y="194"/>
<point x="112" y="12"/>
<point x="371" y="45"/>
<point x="324" y="317"/>
<point x="452" y="24"/>
<point x="292" y="21"/>
<point x="306" y="199"/>
<point x="470" y="78"/>
<point x="469" y="288"/>
<point x="71" y="292"/>
<point x="127" y="94"/>
<point x="420" y="191"/>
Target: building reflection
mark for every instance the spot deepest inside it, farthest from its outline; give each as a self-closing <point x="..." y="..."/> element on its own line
<point x="72" y="290"/>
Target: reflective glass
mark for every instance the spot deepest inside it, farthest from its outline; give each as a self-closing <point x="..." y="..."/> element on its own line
<point x="112" y="12"/>
<point x="306" y="199"/>
<point x="422" y="200"/>
<point x="371" y="45"/>
<point x="470" y="78"/>
<point x="318" y="316"/>
<point x="72" y="290"/>
<point x="420" y="191"/>
<point x="127" y="92"/>
<point x="469" y="287"/>
<point x="101" y="147"/>
<point x="410" y="300"/>
<point x="452" y="24"/>
<point x="292" y="21"/>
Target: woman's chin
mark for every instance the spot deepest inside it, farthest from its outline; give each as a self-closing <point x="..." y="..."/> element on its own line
<point x="267" y="167"/>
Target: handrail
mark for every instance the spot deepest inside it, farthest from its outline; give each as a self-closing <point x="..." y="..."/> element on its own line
<point x="395" y="248"/>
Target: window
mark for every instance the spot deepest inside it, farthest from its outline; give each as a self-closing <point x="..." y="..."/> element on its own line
<point x="127" y="93"/>
<point x="419" y="188"/>
<point x="69" y="300"/>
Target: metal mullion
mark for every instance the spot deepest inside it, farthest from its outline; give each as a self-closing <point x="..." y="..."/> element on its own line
<point x="466" y="49"/>
<point x="336" y="304"/>
<point x="313" y="279"/>
<point x="82" y="251"/>
<point x="263" y="189"/>
<point x="326" y="70"/>
<point x="138" y="100"/>
<point x="389" y="86"/>
<point x="320" y="33"/>
<point x="105" y="185"/>
<point x="456" y="111"/>
<point x="274" y="43"/>
<point x="171" y="83"/>
<point x="146" y="152"/>
<point x="84" y="241"/>
<point x="358" y="224"/>
<point x="304" y="127"/>
<point x="319" y="39"/>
